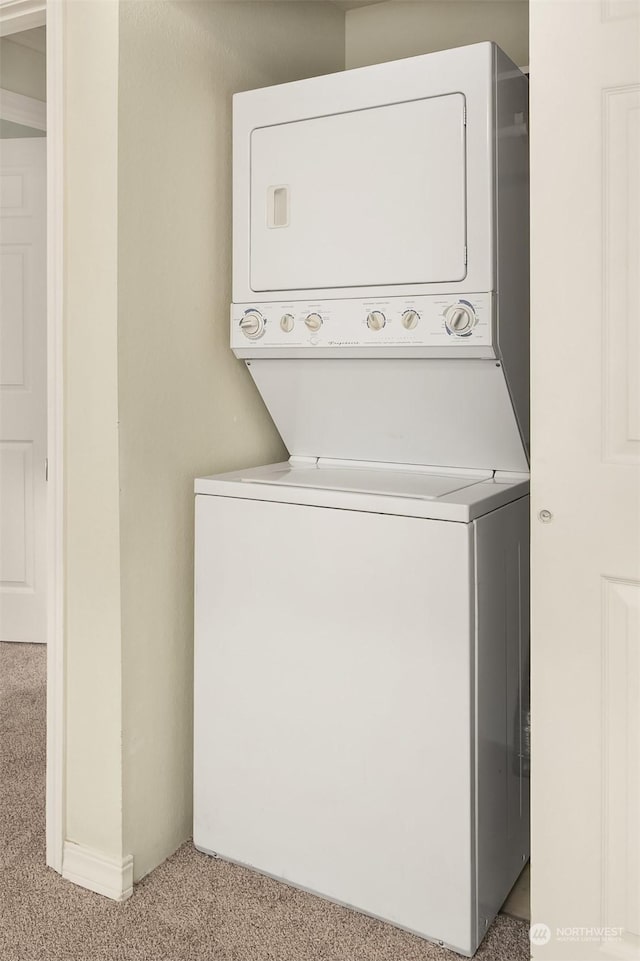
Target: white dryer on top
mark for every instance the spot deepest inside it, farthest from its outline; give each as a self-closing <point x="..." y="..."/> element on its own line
<point x="381" y="214"/>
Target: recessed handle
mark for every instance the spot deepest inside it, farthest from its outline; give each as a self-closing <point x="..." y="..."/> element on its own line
<point x="278" y="206"/>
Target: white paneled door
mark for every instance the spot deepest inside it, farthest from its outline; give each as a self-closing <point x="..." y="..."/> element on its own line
<point x="23" y="390"/>
<point x="585" y="321"/>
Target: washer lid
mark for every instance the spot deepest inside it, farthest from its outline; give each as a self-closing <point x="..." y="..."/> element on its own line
<point x="391" y="483"/>
<point x="436" y="495"/>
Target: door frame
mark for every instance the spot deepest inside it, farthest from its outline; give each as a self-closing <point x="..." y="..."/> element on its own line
<point x="16" y="16"/>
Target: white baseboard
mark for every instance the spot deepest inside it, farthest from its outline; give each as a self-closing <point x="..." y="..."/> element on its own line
<point x="93" y="870"/>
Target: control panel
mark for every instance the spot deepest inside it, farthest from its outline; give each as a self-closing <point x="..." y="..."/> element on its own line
<point x="429" y="321"/>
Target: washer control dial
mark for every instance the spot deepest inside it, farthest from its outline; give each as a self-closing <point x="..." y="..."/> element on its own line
<point x="460" y="319"/>
<point x="376" y="320"/>
<point x="287" y="322"/>
<point x="410" y="319"/>
<point x="313" y="322"/>
<point x="252" y="324"/>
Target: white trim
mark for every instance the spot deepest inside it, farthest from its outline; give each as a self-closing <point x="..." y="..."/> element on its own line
<point x="25" y="110"/>
<point x="55" y="805"/>
<point x="19" y="15"/>
<point x="95" y="871"/>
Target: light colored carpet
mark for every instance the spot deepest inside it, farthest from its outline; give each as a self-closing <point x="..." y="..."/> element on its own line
<point x="191" y="908"/>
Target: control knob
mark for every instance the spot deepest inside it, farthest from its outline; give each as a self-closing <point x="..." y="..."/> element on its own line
<point x="460" y="319"/>
<point x="376" y="320"/>
<point x="286" y="323"/>
<point x="313" y="322"/>
<point x="252" y="324"/>
<point x="410" y="319"/>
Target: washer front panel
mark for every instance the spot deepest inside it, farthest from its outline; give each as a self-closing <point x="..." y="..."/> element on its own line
<point x="333" y="712"/>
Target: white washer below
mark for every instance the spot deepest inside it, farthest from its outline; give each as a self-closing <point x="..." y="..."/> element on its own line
<point x="361" y="649"/>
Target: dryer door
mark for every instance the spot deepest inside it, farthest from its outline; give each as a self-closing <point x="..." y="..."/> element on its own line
<point x="367" y="198"/>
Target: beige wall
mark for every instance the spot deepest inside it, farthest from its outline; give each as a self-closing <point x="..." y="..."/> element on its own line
<point x="22" y="70"/>
<point x="154" y="395"/>
<point x="92" y="546"/>
<point x="395" y="29"/>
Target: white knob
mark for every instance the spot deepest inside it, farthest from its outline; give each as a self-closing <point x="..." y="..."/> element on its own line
<point x="460" y="319"/>
<point x="252" y="324"/>
<point x="286" y="323"/>
<point x="376" y="320"/>
<point x="410" y="319"/>
<point x="313" y="322"/>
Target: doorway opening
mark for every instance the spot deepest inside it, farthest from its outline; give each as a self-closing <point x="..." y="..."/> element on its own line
<point x="31" y="366"/>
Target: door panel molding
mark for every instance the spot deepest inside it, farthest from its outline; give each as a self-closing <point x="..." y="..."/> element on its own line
<point x="621" y="758"/>
<point x="620" y="9"/>
<point x="13" y="353"/>
<point x="18" y="547"/>
<point x="621" y="273"/>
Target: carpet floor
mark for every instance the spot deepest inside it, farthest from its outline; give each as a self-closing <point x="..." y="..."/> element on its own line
<point x="191" y="908"/>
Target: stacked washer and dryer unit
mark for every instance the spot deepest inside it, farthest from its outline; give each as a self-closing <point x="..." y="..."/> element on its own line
<point x="361" y="642"/>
